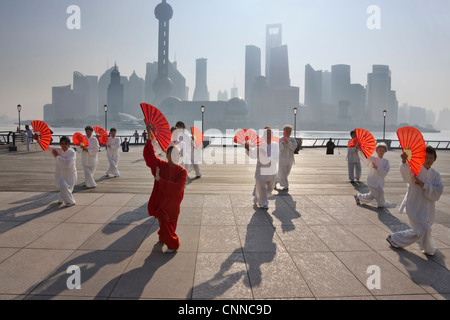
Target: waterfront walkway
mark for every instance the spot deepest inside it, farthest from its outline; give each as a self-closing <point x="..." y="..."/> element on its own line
<point x="314" y="242"/>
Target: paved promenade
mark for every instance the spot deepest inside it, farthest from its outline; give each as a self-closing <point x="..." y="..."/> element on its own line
<point x="314" y="242"/>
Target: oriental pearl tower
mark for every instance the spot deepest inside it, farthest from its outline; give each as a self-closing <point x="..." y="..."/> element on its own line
<point x="162" y="86"/>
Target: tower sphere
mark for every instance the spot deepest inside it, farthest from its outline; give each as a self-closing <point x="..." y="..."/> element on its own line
<point x="164" y="11"/>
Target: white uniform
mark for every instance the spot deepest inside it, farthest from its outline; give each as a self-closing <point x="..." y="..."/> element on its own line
<point x="420" y="208"/>
<point x="286" y="161"/>
<point x="354" y="164"/>
<point x="113" y="155"/>
<point x="375" y="180"/>
<point x="196" y="158"/>
<point x="89" y="160"/>
<point x="266" y="171"/>
<point x="65" y="173"/>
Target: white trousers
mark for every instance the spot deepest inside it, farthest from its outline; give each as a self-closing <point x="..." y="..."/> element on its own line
<point x="354" y="170"/>
<point x="264" y="188"/>
<point x="374" y="194"/>
<point x="65" y="192"/>
<point x="89" y="176"/>
<point x="420" y="232"/>
<point x="113" y="163"/>
<point x="283" y="173"/>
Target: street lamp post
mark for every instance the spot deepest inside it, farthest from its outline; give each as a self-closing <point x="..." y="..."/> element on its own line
<point x="105" y="107"/>
<point x="295" y="122"/>
<point x="19" y="108"/>
<point x="203" y="113"/>
<point x="384" y="124"/>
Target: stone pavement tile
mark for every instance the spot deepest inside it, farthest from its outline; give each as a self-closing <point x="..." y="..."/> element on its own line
<point x="346" y="216"/>
<point x="5" y="253"/>
<point x="431" y="276"/>
<point x="157" y="276"/>
<point x="11" y="197"/>
<point x="85" y="199"/>
<point x="325" y="201"/>
<point x="22" y="235"/>
<point x="218" y="216"/>
<point x="188" y="235"/>
<point x="8" y="225"/>
<point x="253" y="216"/>
<point x="241" y="200"/>
<point x="113" y="199"/>
<point x="392" y="281"/>
<point x="27" y="212"/>
<point x="116" y="237"/>
<point x="94" y="214"/>
<point x="260" y="239"/>
<point x="58" y="213"/>
<point x="211" y="200"/>
<point x="190" y="216"/>
<point x="35" y="265"/>
<point x="441" y="233"/>
<point x="284" y="217"/>
<point x="339" y="238"/>
<point x="326" y="276"/>
<point x="299" y="202"/>
<point x="378" y="216"/>
<point x="218" y="239"/>
<point x="316" y="216"/>
<point x="274" y="275"/>
<point x="39" y="197"/>
<point x="193" y="200"/>
<point x="138" y="200"/>
<point x="99" y="273"/>
<point x="302" y="238"/>
<point x="221" y="276"/>
<point x="132" y="215"/>
<point x="371" y="234"/>
<point x="409" y="297"/>
<point x="65" y="236"/>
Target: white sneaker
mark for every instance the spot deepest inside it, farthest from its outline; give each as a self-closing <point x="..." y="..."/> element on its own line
<point x="392" y="243"/>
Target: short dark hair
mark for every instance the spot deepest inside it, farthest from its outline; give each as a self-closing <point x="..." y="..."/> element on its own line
<point x="180" y="124"/>
<point x="112" y="129"/>
<point x="431" y="150"/>
<point x="88" y="128"/>
<point x="64" y="139"/>
<point x="352" y="132"/>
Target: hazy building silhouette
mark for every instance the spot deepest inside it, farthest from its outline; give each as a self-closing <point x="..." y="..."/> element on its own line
<point x="222" y="95"/>
<point x="379" y="96"/>
<point x="201" y="88"/>
<point x="179" y="88"/>
<point x="274" y="38"/>
<point x="115" y="95"/>
<point x="443" y="121"/>
<point x="86" y="90"/>
<point x="162" y="86"/>
<point x="313" y="86"/>
<point x="340" y="83"/>
<point x="134" y="95"/>
<point x="252" y="72"/>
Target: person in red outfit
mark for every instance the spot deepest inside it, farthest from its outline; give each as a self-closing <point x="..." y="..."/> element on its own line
<point x="168" y="192"/>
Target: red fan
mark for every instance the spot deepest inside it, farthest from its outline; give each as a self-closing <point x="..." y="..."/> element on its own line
<point x="197" y="136"/>
<point x="102" y="135"/>
<point x="42" y="133"/>
<point x="413" y="144"/>
<point x="79" y="139"/>
<point x="352" y="143"/>
<point x="160" y="126"/>
<point x="366" y="142"/>
<point x="247" y="136"/>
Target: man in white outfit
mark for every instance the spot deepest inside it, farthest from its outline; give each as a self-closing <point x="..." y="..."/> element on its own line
<point x="353" y="161"/>
<point x="66" y="171"/>
<point x="112" y="153"/>
<point x="378" y="169"/>
<point x="266" y="171"/>
<point x="423" y="192"/>
<point x="89" y="158"/>
<point x="287" y="146"/>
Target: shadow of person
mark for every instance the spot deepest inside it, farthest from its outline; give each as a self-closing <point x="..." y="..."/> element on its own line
<point x="258" y="249"/>
<point x="285" y="211"/>
<point x="132" y="283"/>
<point x="94" y="262"/>
<point x="359" y="186"/>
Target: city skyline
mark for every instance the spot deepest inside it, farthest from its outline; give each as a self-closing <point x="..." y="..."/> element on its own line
<point x="41" y="52"/>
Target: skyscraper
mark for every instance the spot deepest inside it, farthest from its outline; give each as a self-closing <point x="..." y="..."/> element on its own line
<point x="201" y="88"/>
<point x="252" y="69"/>
<point x="162" y="86"/>
<point x="274" y="35"/>
<point x="379" y="96"/>
<point x="115" y="94"/>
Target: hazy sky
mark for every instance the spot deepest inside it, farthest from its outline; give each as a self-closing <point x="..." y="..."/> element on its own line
<point x="38" y="51"/>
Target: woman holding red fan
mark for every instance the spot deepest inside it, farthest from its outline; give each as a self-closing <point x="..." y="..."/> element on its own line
<point x="168" y="192"/>
<point x="423" y="192"/>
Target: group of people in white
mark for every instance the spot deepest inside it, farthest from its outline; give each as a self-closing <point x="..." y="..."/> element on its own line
<point x="274" y="161"/>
